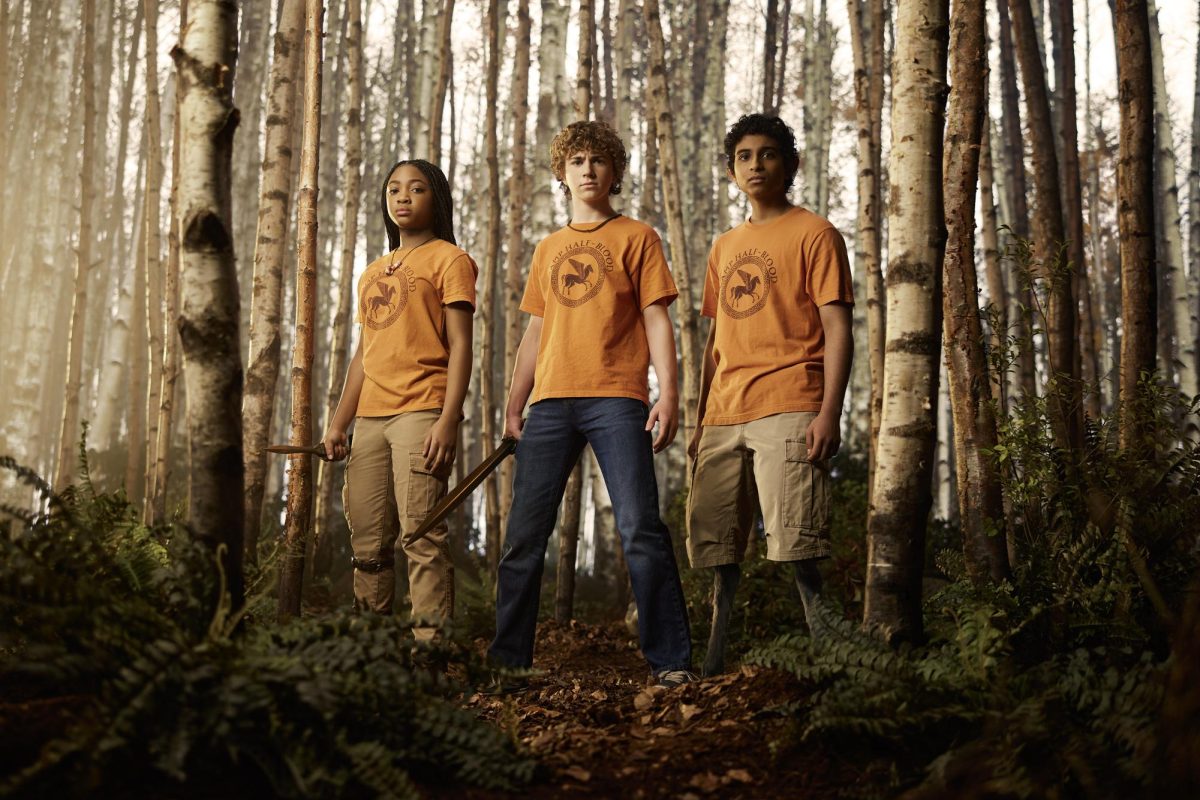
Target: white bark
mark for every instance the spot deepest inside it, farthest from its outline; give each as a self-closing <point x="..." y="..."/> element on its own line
<point x="900" y="500"/>
<point x="1177" y="312"/>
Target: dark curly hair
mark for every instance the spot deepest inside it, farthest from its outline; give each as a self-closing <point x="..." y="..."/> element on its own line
<point x="771" y="127"/>
<point x="443" y="202"/>
<point x="594" y="136"/>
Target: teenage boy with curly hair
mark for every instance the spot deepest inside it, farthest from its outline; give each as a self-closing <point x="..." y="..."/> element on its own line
<point x="597" y="296"/>
<point x="778" y="290"/>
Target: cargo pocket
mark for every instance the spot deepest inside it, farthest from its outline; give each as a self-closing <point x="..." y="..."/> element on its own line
<point x="424" y="487"/>
<point x="805" y="489"/>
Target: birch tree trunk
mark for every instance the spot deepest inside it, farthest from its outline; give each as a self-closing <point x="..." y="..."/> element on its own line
<point x="680" y="260"/>
<point x="551" y="116"/>
<point x="325" y="522"/>
<point x="170" y="363"/>
<point x="900" y="503"/>
<point x="866" y="36"/>
<point x="270" y="246"/>
<point x="1135" y="209"/>
<point x="1175" y="312"/>
<point x="1014" y="162"/>
<point x="153" y="255"/>
<point x="587" y="48"/>
<point x="980" y="503"/>
<point x="253" y="53"/>
<point x="1190" y="351"/>
<point x="298" y="520"/>
<point x="68" y="436"/>
<point x="1049" y="237"/>
<point x="437" y="103"/>
<point x="518" y="199"/>
<point x="208" y="324"/>
<point x="996" y="290"/>
<point x="487" y="309"/>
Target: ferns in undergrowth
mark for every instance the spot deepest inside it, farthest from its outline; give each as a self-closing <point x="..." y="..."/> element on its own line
<point x="1051" y="684"/>
<point x="96" y="605"/>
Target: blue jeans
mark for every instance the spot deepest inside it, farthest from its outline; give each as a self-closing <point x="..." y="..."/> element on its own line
<point x="554" y="435"/>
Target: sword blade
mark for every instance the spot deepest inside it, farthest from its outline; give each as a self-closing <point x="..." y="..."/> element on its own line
<point x="317" y="449"/>
<point x="459" y="493"/>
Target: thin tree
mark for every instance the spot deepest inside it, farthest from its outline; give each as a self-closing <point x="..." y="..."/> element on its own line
<point x="900" y="502"/>
<point x="866" y="36"/>
<point x="583" y="75"/>
<point x="770" y="47"/>
<point x="114" y="377"/>
<point x="980" y="503"/>
<point x="1175" y="311"/>
<point x="518" y="199"/>
<point x="1191" y="345"/>
<point x="487" y="308"/>
<point x="298" y="519"/>
<point x="1135" y="210"/>
<point x="1063" y="27"/>
<point x="208" y="321"/>
<point x="153" y="255"/>
<point x="83" y="254"/>
<point x="551" y="110"/>
<point x="1013" y="150"/>
<point x="351" y="194"/>
<point x="438" y="100"/>
<point x="664" y="127"/>
<point x="170" y="368"/>
<point x="262" y="370"/>
<point x="1049" y="237"/>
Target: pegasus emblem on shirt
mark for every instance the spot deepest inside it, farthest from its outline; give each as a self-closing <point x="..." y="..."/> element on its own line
<point x="383" y="300"/>
<point x="580" y="278"/>
<point x="748" y="287"/>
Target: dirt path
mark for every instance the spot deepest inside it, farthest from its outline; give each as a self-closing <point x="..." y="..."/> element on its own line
<point x="599" y="731"/>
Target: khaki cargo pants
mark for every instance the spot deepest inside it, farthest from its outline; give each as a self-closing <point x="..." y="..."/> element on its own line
<point x="388" y="491"/>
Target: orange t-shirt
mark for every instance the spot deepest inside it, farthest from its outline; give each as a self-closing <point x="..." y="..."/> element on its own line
<point x="405" y="350"/>
<point x="763" y="286"/>
<point x="590" y="289"/>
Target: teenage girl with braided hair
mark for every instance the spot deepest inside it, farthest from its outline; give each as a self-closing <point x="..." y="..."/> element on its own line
<point x="404" y="392"/>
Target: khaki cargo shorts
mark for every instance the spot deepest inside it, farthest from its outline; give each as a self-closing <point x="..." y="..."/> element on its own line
<point x="761" y="464"/>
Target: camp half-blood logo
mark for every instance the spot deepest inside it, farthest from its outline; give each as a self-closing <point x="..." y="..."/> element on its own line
<point x="578" y="272"/>
<point x="746" y="282"/>
<point x="384" y="298"/>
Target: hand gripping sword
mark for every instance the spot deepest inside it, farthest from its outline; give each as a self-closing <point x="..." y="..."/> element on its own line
<point x="459" y="493"/>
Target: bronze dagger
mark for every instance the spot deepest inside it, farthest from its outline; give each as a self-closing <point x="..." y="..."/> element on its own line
<point x="317" y="449"/>
<point x="455" y="496"/>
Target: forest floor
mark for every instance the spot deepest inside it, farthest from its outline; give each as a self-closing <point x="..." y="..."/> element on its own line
<point x="599" y="730"/>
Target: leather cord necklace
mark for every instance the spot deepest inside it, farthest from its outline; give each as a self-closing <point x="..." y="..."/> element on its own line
<point x="596" y="228"/>
<point x="393" y="266"/>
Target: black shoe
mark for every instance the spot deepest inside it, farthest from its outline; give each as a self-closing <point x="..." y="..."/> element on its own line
<point x="500" y="686"/>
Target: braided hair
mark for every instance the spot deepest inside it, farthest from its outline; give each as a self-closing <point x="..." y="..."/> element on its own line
<point x="443" y="202"/>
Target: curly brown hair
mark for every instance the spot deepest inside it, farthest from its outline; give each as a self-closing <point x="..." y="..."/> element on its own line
<point x="594" y="136"/>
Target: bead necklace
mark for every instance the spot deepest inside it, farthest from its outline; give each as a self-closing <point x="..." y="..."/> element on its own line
<point x="393" y="266"/>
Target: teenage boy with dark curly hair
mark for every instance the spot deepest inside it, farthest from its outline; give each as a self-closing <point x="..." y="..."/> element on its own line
<point x="778" y="290"/>
<point x="597" y="296"/>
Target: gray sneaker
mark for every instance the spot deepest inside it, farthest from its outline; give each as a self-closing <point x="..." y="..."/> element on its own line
<point x="671" y="678"/>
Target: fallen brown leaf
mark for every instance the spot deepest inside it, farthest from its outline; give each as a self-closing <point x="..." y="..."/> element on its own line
<point x="739" y="775"/>
<point x="579" y="773"/>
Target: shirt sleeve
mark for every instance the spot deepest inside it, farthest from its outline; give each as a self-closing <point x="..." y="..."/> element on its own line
<point x="534" y="301"/>
<point x="708" y="306"/>
<point x="653" y="280"/>
<point x="458" y="281"/>
<point x="828" y="278"/>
